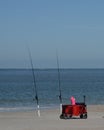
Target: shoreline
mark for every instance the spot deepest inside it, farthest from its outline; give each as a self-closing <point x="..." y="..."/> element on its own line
<point x="49" y="119"/>
<point x="95" y="107"/>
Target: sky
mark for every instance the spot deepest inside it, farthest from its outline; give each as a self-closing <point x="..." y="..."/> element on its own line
<point x="72" y="28"/>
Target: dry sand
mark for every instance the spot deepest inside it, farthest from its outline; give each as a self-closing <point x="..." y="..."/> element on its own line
<point x="50" y="120"/>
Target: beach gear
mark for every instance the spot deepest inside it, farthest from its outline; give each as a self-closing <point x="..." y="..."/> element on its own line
<point x="74" y="110"/>
<point x="69" y="111"/>
<point x="73" y="101"/>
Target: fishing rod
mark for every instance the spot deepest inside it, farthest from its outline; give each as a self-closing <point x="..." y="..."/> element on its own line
<point x="59" y="84"/>
<point x="34" y="81"/>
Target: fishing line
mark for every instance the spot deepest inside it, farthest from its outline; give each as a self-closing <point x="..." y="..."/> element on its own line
<point x="34" y="81"/>
<point x="59" y="83"/>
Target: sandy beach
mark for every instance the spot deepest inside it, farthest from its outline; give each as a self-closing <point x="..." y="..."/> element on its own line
<point x="49" y="120"/>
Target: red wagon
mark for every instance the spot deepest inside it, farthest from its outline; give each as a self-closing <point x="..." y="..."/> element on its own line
<point x="69" y="111"/>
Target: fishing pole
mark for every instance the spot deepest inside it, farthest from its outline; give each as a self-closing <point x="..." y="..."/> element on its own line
<point x="59" y="84"/>
<point x="34" y="81"/>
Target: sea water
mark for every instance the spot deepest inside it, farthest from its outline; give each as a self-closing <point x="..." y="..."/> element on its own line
<point x="17" y="90"/>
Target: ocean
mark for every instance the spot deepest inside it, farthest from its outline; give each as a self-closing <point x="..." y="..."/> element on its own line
<point x="17" y="91"/>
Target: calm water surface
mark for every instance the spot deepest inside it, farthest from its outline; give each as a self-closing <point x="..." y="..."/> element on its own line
<point x="17" y="89"/>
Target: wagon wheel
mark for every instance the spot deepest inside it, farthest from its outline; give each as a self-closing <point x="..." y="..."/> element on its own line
<point x="85" y="116"/>
<point x="81" y="116"/>
<point x="61" y="116"/>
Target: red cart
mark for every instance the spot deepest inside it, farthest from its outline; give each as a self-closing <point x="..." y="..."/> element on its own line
<point x="69" y="111"/>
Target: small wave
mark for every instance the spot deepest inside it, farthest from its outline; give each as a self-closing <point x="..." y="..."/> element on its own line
<point x="15" y="109"/>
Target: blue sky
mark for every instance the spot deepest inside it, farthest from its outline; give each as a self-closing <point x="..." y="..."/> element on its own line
<point x="75" y="28"/>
